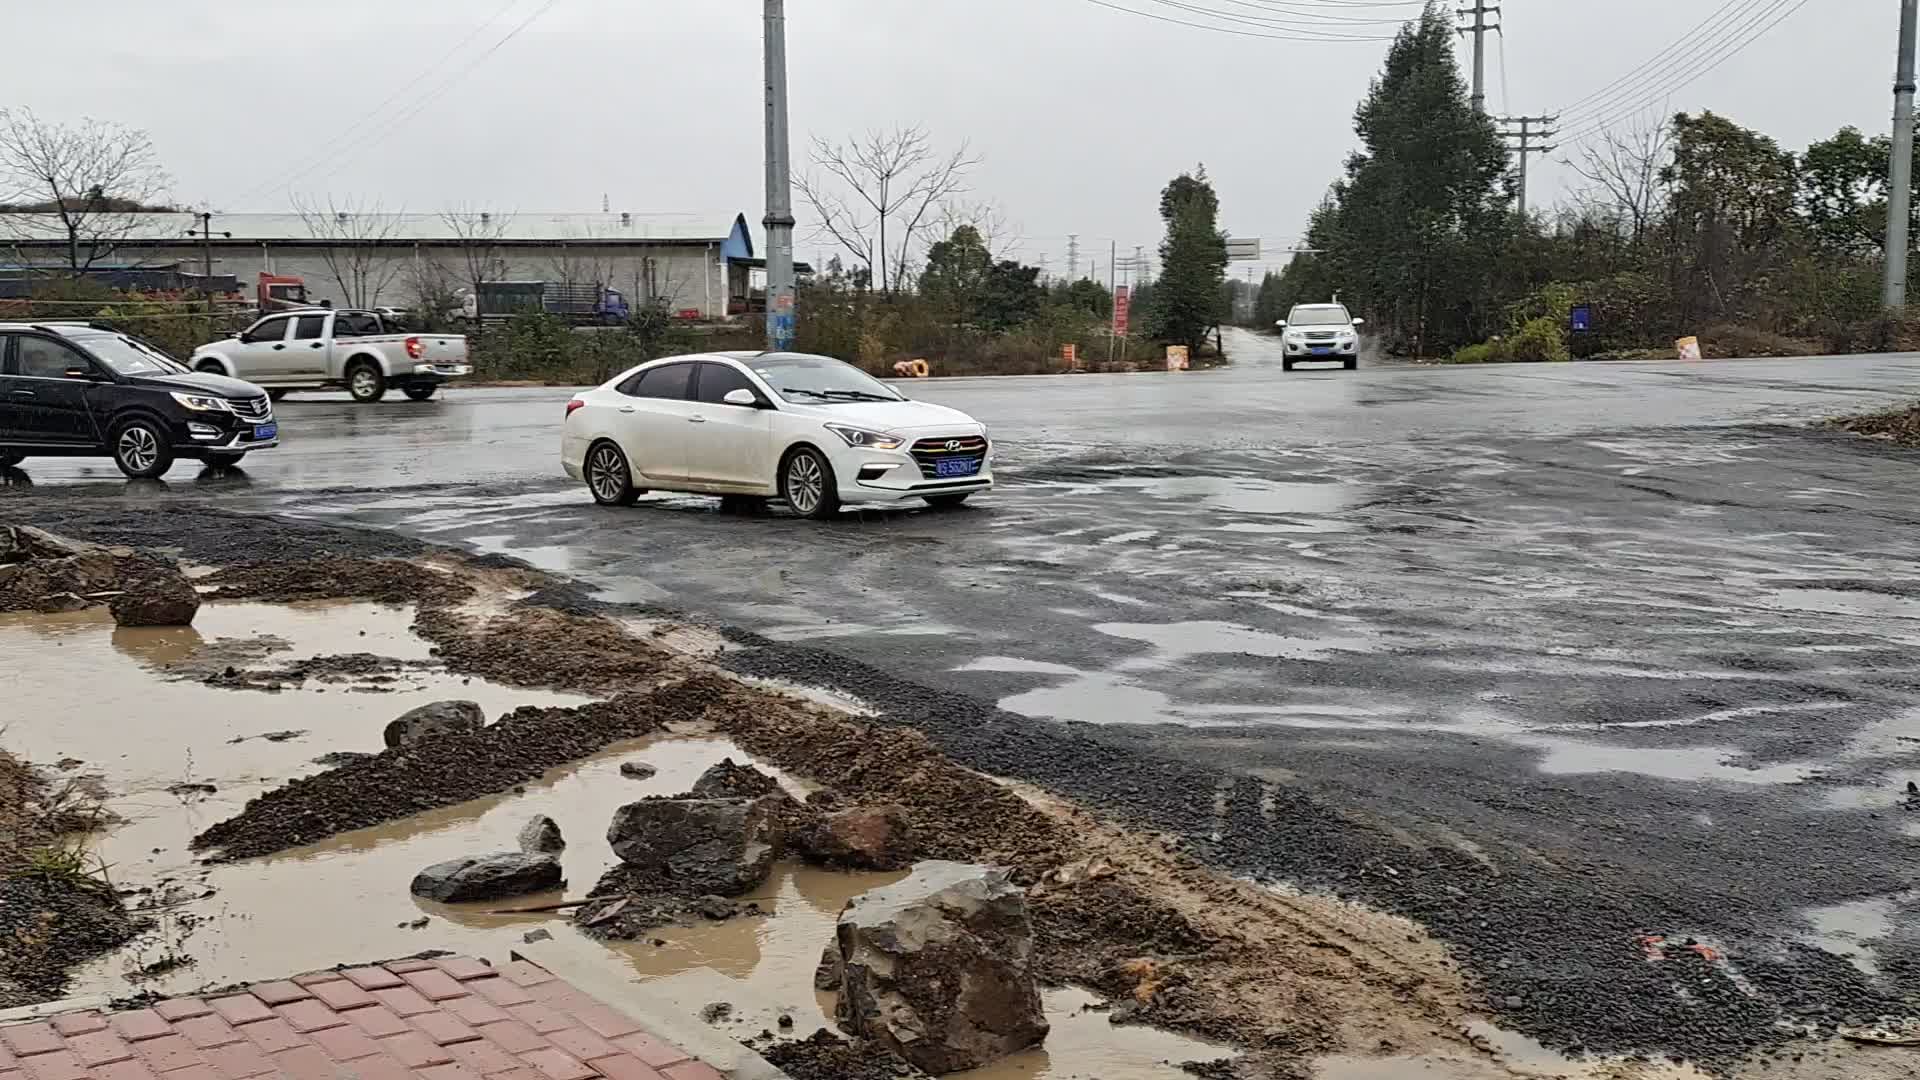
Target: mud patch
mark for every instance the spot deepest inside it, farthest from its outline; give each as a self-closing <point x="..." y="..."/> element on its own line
<point x="1900" y="426"/>
<point x="382" y="581"/>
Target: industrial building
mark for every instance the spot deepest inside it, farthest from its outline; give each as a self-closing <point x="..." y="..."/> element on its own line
<point x="701" y="265"/>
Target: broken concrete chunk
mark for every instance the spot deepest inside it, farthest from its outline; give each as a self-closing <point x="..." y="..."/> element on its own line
<point x="826" y="977"/>
<point x="435" y="719"/>
<point x="637" y="770"/>
<point x="866" y="837"/>
<point x="487" y="877"/>
<point x="697" y="846"/>
<point x="939" y="968"/>
<point x="541" y="836"/>
<point x="159" y="599"/>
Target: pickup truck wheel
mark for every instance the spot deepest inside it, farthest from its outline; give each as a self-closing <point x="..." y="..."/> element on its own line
<point x="211" y="367"/>
<point x="365" y="382"/>
<point x="141" y="449"/>
<point x="421" y="391"/>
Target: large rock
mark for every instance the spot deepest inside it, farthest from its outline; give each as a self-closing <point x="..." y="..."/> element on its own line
<point x="157" y="600"/>
<point x="939" y="968"/>
<point x="541" y="836"/>
<point x="435" y="719"/>
<point x="698" y="846"/>
<point x="865" y="837"/>
<point x="41" y="571"/>
<point x="488" y="877"/>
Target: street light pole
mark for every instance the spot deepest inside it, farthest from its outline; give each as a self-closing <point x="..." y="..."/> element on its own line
<point x="779" y="219"/>
<point x="1900" y="176"/>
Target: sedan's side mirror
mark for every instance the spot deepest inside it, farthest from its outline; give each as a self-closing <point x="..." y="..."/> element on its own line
<point x="1359" y="322"/>
<point x="236" y="335"/>
<point x="1282" y="324"/>
<point x="742" y="397"/>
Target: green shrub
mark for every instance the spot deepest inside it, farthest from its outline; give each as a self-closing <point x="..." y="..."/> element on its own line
<point x="1484" y="353"/>
<point x="1539" y="340"/>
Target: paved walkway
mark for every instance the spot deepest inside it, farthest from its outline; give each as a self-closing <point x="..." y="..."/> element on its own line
<point x="453" y="1018"/>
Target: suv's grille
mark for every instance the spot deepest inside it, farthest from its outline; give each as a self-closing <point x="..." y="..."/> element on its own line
<point x="930" y="452"/>
<point x="252" y="408"/>
<point x="1320" y="335"/>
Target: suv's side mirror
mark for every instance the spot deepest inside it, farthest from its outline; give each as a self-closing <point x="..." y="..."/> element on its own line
<point x="742" y="397"/>
<point x="1282" y="324"/>
<point x="1359" y="322"/>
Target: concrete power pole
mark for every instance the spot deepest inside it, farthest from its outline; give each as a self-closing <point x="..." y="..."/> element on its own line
<point x="779" y="219"/>
<point x="1900" y="176"/>
<point x="1522" y="142"/>
<point x="1480" y="28"/>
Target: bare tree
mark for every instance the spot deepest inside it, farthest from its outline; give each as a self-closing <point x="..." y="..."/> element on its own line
<point x="580" y="259"/>
<point x="876" y="195"/>
<point x="357" y="252"/>
<point x="478" y="234"/>
<point x="1624" y="167"/>
<point x="986" y="216"/>
<point x="88" y="183"/>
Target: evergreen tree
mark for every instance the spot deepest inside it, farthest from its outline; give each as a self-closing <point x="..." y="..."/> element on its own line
<point x="1413" y="231"/>
<point x="1189" y="298"/>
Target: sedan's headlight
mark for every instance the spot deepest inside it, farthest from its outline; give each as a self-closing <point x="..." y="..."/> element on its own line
<point x="865" y="439"/>
<point x="199" y="403"/>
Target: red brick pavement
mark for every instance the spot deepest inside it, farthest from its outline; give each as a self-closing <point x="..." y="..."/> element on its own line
<point x="452" y="1018"/>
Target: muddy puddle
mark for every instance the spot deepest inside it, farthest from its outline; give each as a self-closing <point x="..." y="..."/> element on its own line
<point x="177" y="755"/>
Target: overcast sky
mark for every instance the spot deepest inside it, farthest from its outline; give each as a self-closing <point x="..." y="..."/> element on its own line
<point x="1080" y="112"/>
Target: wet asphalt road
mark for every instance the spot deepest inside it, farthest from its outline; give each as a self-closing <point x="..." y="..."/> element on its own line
<point x="1584" y="651"/>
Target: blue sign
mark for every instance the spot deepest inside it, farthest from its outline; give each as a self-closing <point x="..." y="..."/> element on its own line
<point x="1581" y="319"/>
<point x="782" y="325"/>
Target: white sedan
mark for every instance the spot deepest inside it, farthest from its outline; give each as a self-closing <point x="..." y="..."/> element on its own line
<point x="807" y="429"/>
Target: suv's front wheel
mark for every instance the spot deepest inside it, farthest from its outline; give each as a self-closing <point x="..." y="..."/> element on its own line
<point x="141" y="449"/>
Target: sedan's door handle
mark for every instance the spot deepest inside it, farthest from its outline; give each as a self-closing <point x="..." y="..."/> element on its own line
<point x="627" y="408"/>
<point x="25" y="393"/>
<point x="696" y="419"/>
<point x="316" y="345"/>
<point x="277" y="348"/>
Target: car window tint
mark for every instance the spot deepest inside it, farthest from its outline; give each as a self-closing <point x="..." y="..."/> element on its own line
<point x="309" y="327"/>
<point x="43" y="359"/>
<point x="356" y="325"/>
<point x="719" y="380"/>
<point x="668" y="382"/>
<point x="271" y="330"/>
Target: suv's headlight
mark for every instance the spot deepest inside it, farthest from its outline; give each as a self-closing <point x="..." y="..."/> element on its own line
<point x="865" y="439"/>
<point x="198" y="403"/>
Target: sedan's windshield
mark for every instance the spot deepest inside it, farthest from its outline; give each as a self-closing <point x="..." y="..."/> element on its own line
<point x="130" y="357"/>
<point x="819" y="379"/>
<point x="1322" y="315"/>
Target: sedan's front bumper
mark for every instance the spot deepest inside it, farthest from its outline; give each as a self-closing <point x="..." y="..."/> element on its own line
<point x="878" y="476"/>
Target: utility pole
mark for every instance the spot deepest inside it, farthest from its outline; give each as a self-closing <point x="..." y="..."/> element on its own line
<point x="1480" y="10"/>
<point x="205" y="232"/>
<point x="779" y="219"/>
<point x="1522" y="142"/>
<point x="1113" y="284"/>
<point x="1073" y="256"/>
<point x="1900" y="176"/>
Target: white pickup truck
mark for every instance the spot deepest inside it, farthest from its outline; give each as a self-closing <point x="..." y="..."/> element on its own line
<point x="321" y="347"/>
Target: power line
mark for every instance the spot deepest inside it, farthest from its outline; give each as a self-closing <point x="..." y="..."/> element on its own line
<point x="1573" y="107"/>
<point x="1317" y="15"/>
<point x="1273" y="24"/>
<point x="1230" y="30"/>
<point x="1592" y="126"/>
<point x="432" y="95"/>
<point x="423" y="73"/>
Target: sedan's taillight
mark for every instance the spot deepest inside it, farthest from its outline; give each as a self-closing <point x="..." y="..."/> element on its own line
<point x="576" y="403"/>
<point x="414" y="349"/>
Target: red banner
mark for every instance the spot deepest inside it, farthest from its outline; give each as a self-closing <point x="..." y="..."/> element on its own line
<point x="1122" y="307"/>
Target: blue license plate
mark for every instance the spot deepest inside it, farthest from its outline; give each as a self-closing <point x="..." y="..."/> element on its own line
<point x="265" y="431"/>
<point x="1322" y="350"/>
<point x="956" y="467"/>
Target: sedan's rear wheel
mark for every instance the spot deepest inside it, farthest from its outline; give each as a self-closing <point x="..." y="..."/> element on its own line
<point x="608" y="477"/>
<point x="807" y="483"/>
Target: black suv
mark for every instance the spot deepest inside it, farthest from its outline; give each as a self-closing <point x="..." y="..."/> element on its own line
<point x="85" y="390"/>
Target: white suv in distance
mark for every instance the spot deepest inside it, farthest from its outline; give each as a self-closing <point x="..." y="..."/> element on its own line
<point x="1320" y="332"/>
<point x="810" y="430"/>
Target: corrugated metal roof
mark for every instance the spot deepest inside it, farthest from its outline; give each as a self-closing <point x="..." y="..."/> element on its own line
<point x="520" y="227"/>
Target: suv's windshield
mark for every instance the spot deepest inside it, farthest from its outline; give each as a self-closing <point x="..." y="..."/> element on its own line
<point x="819" y="379"/>
<point x="1322" y="315"/>
<point x="130" y="357"/>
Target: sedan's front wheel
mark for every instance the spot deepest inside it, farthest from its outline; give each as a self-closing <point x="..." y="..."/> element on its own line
<point x="608" y="476"/>
<point x="807" y="483"/>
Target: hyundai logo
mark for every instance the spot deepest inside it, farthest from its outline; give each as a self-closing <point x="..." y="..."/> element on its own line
<point x="953" y="444"/>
